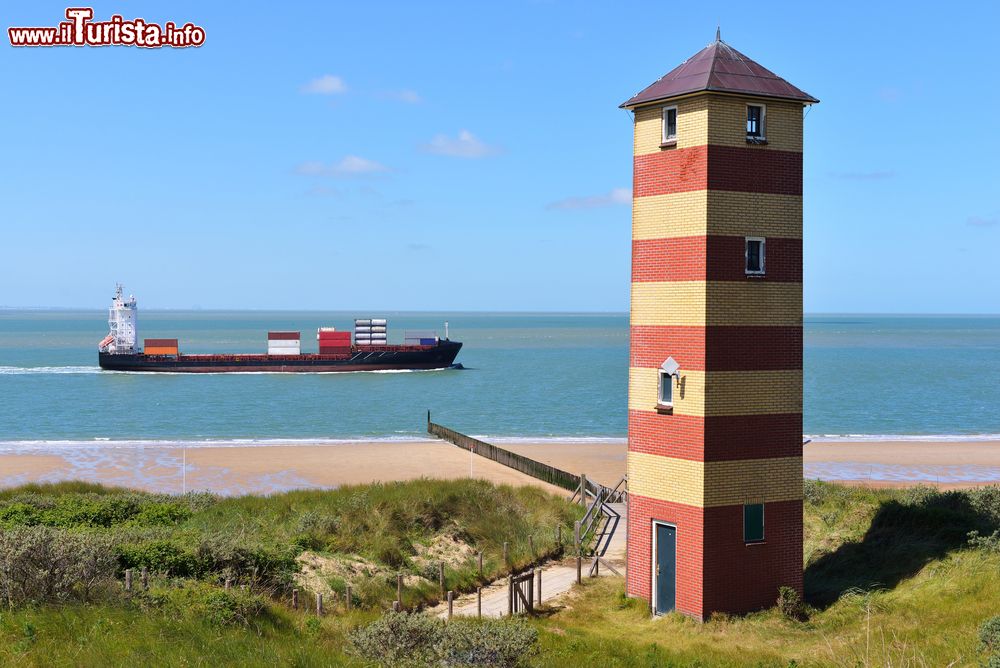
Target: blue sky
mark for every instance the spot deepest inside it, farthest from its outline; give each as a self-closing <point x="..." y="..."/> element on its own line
<point x="471" y="156"/>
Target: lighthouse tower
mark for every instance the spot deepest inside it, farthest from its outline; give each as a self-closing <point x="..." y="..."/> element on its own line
<point x="715" y="378"/>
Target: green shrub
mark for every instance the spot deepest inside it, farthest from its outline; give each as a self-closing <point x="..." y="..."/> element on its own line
<point x="404" y="639"/>
<point x="989" y="635"/>
<point x="159" y="556"/>
<point x="42" y="564"/>
<point x="790" y="603"/>
<point x="496" y="643"/>
<point x="399" y="639"/>
<point x="989" y="543"/>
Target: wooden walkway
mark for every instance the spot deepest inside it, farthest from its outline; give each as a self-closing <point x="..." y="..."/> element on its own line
<point x="558" y="577"/>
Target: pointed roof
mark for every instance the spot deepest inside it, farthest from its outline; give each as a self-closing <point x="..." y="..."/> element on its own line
<point x="719" y="68"/>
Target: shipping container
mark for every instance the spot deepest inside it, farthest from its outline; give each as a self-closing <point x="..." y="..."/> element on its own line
<point x="160" y="350"/>
<point x="284" y="343"/>
<point x="378" y="330"/>
<point x="428" y="342"/>
<point x="362" y="329"/>
<point x="419" y="334"/>
<point x="283" y="351"/>
<point x="159" y="342"/>
<point x="284" y="336"/>
<point x="379" y="322"/>
<point x="327" y="329"/>
<point x="334" y="350"/>
<point x="363" y="322"/>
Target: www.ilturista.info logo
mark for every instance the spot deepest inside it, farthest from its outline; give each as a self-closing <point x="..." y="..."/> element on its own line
<point x="80" y="30"/>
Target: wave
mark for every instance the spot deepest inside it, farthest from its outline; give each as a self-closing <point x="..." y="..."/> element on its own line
<point x="875" y="438"/>
<point x="28" y="370"/>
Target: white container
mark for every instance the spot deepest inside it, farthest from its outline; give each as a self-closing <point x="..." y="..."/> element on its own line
<point x="379" y="322"/>
<point x="362" y="330"/>
<point x="364" y="322"/>
<point x="327" y="329"/>
<point x="378" y="330"/>
<point x="283" y="351"/>
<point x="283" y="344"/>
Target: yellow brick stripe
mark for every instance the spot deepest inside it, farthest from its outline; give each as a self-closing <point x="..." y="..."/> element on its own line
<point x="703" y="303"/>
<point x="720" y="120"/>
<point x="711" y="393"/>
<point x="707" y="484"/>
<point x="717" y="212"/>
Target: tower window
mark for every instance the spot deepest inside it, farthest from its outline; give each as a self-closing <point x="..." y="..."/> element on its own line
<point x="665" y="394"/>
<point x="669" y="124"/>
<point x="756" y="116"/>
<point x="754" y="256"/>
<point x="753" y="522"/>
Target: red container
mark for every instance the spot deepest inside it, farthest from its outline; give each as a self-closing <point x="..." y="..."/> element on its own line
<point x="334" y="350"/>
<point x="159" y="343"/>
<point x="283" y="336"/>
<point x="345" y="337"/>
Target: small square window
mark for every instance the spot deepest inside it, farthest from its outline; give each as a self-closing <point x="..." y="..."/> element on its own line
<point x="756" y="116"/>
<point x="754" y="256"/>
<point x="665" y="394"/>
<point x="669" y="124"/>
<point x="753" y="523"/>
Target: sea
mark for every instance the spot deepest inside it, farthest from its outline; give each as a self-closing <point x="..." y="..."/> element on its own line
<point x="526" y="376"/>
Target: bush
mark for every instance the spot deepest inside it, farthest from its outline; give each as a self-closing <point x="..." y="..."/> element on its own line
<point x="989" y="635"/>
<point x="790" y="603"/>
<point x="403" y="639"/>
<point x="989" y="543"/>
<point x="399" y="639"/>
<point x="497" y="643"/>
<point x="42" y="564"/>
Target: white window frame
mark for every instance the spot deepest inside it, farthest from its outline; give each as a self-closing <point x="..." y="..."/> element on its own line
<point x="763" y="256"/>
<point x="663" y="134"/>
<point x="763" y="122"/>
<point x="664" y="377"/>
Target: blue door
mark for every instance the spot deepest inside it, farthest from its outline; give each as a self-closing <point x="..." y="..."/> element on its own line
<point x="665" y="569"/>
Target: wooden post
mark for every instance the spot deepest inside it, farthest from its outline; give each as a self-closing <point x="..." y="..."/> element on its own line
<point x="558" y="535"/>
<point x="399" y="589"/>
<point x="539" y="586"/>
<point x="451" y="602"/>
<point x="395" y="606"/>
<point x="506" y="553"/>
<point x="531" y="546"/>
<point x="349" y="598"/>
<point x="295" y="599"/>
<point x="579" y="552"/>
<point x="583" y="489"/>
<point x="228" y="584"/>
<point x="480" y="563"/>
<point x="441" y="577"/>
<point x="595" y="571"/>
<point x="510" y="595"/>
<point x="128" y="579"/>
<point x="145" y="578"/>
<point x="319" y="604"/>
<point x="531" y="591"/>
<point x="479" y="602"/>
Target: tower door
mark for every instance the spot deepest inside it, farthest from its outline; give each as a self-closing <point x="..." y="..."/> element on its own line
<point x="665" y="568"/>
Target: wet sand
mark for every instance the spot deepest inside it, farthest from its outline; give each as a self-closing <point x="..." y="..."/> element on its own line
<point x="273" y="468"/>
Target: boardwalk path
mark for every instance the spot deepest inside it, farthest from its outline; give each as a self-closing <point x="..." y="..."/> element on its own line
<point x="558" y="577"/>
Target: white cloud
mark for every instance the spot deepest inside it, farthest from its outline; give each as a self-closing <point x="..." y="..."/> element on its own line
<point x="614" y="197"/>
<point x="983" y="221"/>
<point x="404" y="95"/>
<point x="328" y="84"/>
<point x="350" y="165"/>
<point x="466" y="145"/>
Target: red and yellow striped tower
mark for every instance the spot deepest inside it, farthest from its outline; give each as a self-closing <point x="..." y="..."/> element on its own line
<point x="715" y="379"/>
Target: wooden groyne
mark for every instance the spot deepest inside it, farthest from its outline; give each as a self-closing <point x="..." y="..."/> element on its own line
<point x="526" y="465"/>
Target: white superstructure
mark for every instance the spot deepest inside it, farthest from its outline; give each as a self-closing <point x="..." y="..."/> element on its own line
<point x="122" y="335"/>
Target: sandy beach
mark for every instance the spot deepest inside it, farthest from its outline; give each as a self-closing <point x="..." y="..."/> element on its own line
<point x="273" y="468"/>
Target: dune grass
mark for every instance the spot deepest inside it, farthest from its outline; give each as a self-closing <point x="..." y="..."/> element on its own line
<point x="892" y="579"/>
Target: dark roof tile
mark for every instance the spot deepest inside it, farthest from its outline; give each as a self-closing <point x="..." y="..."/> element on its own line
<point x="719" y="68"/>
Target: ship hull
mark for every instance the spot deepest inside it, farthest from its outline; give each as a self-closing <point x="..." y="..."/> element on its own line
<point x="361" y="358"/>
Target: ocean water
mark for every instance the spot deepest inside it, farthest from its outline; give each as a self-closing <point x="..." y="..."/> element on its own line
<point x="526" y="376"/>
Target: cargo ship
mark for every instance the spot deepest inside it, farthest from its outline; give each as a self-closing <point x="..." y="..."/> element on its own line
<point x="367" y="350"/>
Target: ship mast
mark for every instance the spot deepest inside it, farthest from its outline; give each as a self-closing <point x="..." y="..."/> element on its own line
<point x="122" y="322"/>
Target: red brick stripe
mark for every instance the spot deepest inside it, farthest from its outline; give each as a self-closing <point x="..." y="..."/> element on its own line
<point x="756" y="170"/>
<point x="740" y="578"/>
<point x="715" y="438"/>
<point x="689" y="521"/>
<point x="717" y="347"/>
<point x="713" y="258"/>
